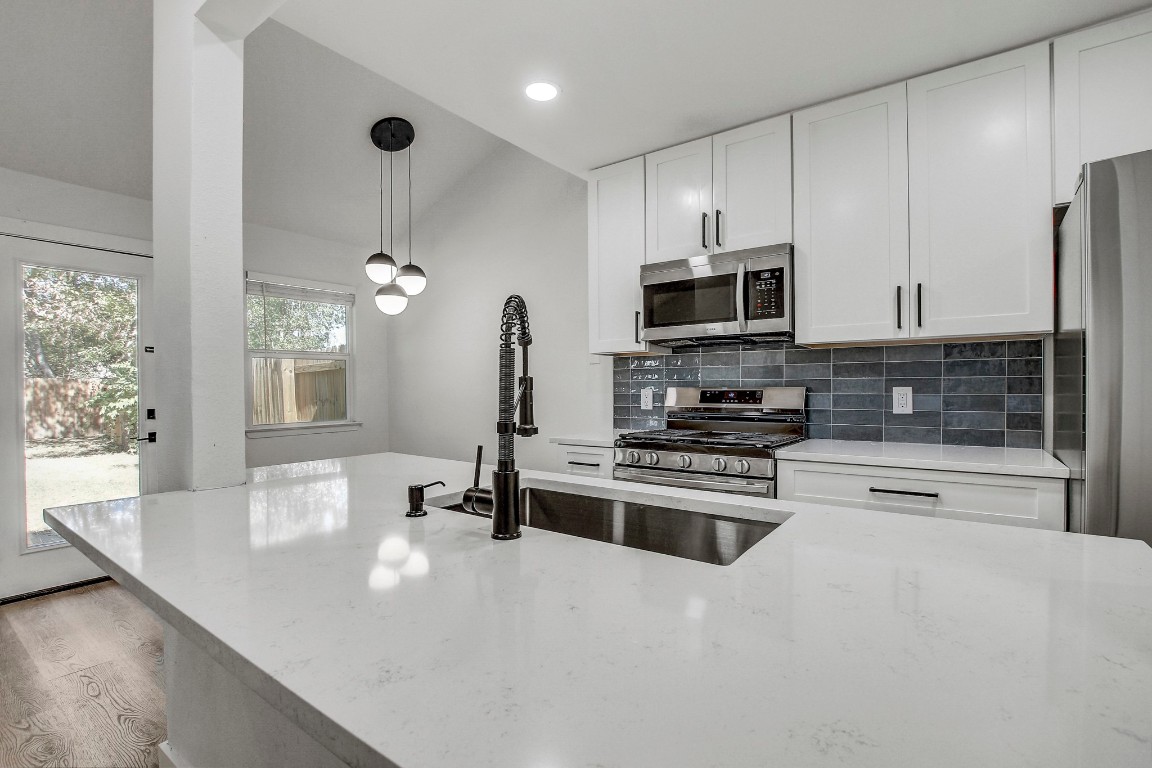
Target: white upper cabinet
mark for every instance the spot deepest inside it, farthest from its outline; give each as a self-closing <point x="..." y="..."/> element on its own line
<point x="851" y="204"/>
<point x="1103" y="93"/>
<point x="679" y="201"/>
<point x="721" y="193"/>
<point x="980" y="171"/>
<point x="615" y="253"/>
<point x="752" y="185"/>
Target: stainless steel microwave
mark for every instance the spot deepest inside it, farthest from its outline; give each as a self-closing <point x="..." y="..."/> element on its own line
<point x="742" y="293"/>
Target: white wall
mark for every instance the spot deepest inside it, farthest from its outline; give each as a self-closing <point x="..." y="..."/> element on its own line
<point x="514" y="225"/>
<point x="47" y="201"/>
<point x="276" y="252"/>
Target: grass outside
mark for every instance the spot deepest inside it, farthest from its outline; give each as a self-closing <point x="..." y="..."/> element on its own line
<point x="74" y="471"/>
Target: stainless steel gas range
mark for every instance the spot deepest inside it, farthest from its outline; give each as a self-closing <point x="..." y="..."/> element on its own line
<point x="721" y="439"/>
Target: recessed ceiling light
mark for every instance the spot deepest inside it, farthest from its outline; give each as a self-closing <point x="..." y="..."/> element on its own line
<point x="542" y="91"/>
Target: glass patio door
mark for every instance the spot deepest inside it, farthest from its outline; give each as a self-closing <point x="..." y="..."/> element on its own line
<point x="79" y="379"/>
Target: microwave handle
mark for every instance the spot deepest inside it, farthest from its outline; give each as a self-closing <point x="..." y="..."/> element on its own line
<point x="742" y="297"/>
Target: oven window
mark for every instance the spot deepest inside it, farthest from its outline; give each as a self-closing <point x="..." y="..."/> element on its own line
<point x="690" y="302"/>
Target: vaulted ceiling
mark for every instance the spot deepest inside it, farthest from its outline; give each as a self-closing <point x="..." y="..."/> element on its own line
<point x="76" y="106"/>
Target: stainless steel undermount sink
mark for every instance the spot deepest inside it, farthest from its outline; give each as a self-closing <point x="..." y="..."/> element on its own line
<point x="701" y="536"/>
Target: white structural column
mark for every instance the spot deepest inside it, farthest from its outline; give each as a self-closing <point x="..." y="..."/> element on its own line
<point x="197" y="192"/>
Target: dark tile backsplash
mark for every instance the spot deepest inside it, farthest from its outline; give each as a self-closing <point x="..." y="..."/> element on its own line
<point x="971" y="393"/>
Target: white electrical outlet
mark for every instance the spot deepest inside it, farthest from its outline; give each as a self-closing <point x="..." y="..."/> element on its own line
<point x="901" y="399"/>
<point x="646" y="399"/>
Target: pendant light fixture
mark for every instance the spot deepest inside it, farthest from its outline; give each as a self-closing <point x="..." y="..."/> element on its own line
<point x="394" y="134"/>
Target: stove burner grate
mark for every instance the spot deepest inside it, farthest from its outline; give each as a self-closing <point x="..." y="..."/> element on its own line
<point x="703" y="437"/>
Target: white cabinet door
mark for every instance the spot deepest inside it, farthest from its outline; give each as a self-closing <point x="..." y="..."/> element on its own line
<point x="615" y="253"/>
<point x="1103" y="93"/>
<point x="752" y="185"/>
<point x="980" y="219"/>
<point x="679" y="201"/>
<point x="851" y="205"/>
<point x="1029" y="502"/>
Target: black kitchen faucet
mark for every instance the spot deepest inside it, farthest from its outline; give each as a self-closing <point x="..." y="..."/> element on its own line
<point x="504" y="497"/>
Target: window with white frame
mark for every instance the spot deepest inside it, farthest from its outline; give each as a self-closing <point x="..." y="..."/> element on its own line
<point x="299" y="351"/>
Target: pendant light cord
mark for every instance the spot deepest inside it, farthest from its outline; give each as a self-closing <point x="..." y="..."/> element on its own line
<point x="409" y="204"/>
<point x="381" y="201"/>
<point x="391" y="242"/>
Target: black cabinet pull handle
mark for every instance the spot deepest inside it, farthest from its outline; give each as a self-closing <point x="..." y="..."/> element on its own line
<point x="921" y="494"/>
<point x="582" y="464"/>
<point x="919" y="305"/>
<point x="704" y="230"/>
<point x="636" y="326"/>
<point x="718" y="243"/>
<point x="899" y="307"/>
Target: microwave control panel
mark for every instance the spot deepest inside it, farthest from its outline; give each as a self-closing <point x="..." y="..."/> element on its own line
<point x="764" y="290"/>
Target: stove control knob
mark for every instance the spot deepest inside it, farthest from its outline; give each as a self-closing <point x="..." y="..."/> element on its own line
<point x="743" y="467"/>
<point x="683" y="461"/>
<point x="633" y="457"/>
<point x="719" y="465"/>
<point x="651" y="458"/>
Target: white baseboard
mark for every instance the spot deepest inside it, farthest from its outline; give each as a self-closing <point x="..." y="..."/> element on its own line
<point x="166" y="757"/>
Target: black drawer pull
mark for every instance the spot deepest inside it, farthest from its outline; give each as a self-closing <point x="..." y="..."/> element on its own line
<point x="583" y="464"/>
<point x="921" y="494"/>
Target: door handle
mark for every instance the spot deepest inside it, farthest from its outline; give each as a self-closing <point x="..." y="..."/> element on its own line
<point x="718" y="243"/>
<point x="899" y="307"/>
<point x="919" y="305"/>
<point x="704" y="230"/>
<point x="636" y="326"/>
<point x="920" y="494"/>
<point x="149" y="438"/>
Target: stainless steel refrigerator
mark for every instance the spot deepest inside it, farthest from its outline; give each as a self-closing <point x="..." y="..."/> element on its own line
<point x="1102" y="404"/>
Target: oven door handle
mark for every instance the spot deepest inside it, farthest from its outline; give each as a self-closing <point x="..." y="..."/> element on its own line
<point x="680" y="481"/>
<point x="741" y="297"/>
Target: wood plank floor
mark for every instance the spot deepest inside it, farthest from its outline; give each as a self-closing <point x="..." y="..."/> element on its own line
<point x="81" y="681"/>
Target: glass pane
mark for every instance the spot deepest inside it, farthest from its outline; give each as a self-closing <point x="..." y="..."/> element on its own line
<point x="688" y="302"/>
<point x="291" y="391"/>
<point x="80" y="392"/>
<point x="293" y="325"/>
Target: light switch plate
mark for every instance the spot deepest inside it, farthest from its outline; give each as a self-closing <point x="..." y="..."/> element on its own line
<point x="646" y="399"/>
<point x="901" y="399"/>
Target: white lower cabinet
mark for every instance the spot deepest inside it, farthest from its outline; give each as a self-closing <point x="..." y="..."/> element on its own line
<point x="586" y="460"/>
<point x="1031" y="502"/>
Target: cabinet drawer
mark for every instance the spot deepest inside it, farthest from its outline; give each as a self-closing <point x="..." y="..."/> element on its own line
<point x="1034" y="502"/>
<point x="584" y="460"/>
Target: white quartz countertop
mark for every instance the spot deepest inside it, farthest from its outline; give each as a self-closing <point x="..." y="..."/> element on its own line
<point x="845" y="637"/>
<point x="592" y="441"/>
<point x="1026" y="462"/>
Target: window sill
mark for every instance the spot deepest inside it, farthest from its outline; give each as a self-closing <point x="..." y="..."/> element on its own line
<point x="286" y="430"/>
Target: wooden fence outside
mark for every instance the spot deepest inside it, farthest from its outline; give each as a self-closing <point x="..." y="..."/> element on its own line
<point x="58" y="408"/>
<point x="286" y="391"/>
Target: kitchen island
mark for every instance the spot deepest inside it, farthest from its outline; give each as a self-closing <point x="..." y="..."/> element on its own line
<point x="312" y="623"/>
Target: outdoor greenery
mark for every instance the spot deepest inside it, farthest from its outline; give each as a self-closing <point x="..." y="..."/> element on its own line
<point x="295" y="325"/>
<point x="81" y="325"/>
